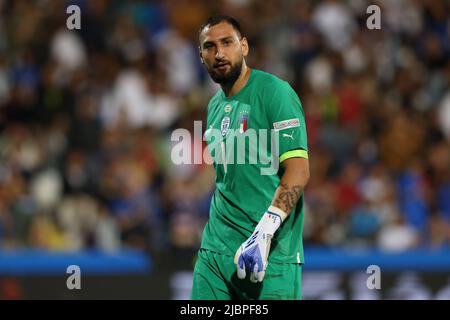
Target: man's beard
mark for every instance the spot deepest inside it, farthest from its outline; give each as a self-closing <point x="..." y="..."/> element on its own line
<point x="228" y="78"/>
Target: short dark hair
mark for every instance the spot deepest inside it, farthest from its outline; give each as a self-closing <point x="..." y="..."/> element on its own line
<point x="213" y="20"/>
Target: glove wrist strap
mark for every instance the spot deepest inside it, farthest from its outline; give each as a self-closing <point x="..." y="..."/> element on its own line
<point x="272" y="220"/>
<point x="283" y="215"/>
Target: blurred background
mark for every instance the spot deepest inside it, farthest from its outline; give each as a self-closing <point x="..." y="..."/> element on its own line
<point x="86" y="118"/>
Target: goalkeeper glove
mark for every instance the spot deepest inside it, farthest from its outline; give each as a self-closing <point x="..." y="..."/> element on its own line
<point x="253" y="253"/>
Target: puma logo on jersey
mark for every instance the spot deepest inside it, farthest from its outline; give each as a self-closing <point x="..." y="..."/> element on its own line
<point x="289" y="135"/>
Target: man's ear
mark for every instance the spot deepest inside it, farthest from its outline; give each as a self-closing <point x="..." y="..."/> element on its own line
<point x="200" y="55"/>
<point x="244" y="44"/>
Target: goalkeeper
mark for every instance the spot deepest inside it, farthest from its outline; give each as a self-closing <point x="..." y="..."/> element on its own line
<point x="252" y="244"/>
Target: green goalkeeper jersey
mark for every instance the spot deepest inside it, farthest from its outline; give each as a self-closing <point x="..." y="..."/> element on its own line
<point x="248" y="135"/>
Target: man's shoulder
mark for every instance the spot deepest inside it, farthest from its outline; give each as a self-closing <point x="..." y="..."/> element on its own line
<point x="217" y="97"/>
<point x="268" y="79"/>
<point x="270" y="85"/>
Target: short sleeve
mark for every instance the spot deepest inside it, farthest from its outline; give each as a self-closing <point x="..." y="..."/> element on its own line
<point x="287" y="118"/>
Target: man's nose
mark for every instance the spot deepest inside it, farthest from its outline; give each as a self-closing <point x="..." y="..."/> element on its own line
<point x="219" y="54"/>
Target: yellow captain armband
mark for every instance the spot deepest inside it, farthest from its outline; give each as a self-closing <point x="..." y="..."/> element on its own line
<point x="294" y="154"/>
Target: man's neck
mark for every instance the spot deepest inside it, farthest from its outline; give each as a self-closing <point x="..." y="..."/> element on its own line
<point x="231" y="90"/>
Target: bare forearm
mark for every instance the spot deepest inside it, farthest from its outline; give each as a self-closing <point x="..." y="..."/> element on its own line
<point x="291" y="185"/>
<point x="287" y="195"/>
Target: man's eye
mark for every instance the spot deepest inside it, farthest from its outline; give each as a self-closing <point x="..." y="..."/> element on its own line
<point x="227" y="42"/>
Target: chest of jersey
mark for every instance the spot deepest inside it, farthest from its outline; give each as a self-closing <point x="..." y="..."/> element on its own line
<point x="238" y="137"/>
<point x="231" y="117"/>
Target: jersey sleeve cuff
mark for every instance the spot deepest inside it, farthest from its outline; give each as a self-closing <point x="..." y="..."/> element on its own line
<point x="294" y="154"/>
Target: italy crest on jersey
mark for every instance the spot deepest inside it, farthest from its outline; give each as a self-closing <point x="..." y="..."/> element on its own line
<point x="243" y="122"/>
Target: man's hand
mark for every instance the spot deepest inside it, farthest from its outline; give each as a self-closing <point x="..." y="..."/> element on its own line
<point x="253" y="254"/>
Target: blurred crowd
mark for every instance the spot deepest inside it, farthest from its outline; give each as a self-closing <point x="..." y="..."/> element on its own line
<point x="86" y="118"/>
